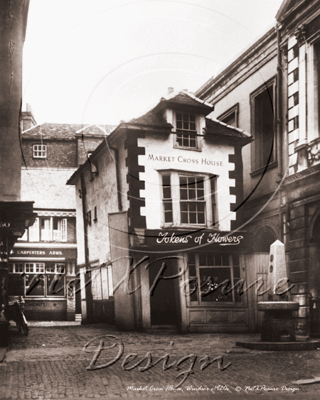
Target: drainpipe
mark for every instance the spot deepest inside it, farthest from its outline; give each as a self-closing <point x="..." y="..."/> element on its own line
<point x="279" y="92"/>
<point x="89" y="302"/>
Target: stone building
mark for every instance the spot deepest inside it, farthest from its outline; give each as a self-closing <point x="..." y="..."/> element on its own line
<point x="272" y="92"/>
<point x="157" y="226"/>
<point x="43" y="262"/>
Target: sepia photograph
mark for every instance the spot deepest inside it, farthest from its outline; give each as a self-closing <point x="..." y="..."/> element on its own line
<point x="159" y="199"/>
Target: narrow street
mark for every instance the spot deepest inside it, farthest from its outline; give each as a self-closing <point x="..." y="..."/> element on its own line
<point x="51" y="363"/>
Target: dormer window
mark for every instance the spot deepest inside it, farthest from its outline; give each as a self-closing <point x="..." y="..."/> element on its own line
<point x="186" y="131"/>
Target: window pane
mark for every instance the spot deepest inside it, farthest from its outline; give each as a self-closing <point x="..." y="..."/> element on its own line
<point x="167" y="193"/>
<point x="192" y="270"/>
<point x="210" y="278"/>
<point x="183" y="194"/>
<point x="193" y="218"/>
<point x="185" y="141"/>
<point x="56" y="285"/>
<point x="217" y="260"/>
<point x="201" y="219"/>
<point x="199" y="183"/>
<point x="202" y="259"/>
<point x="193" y="289"/>
<point x="183" y="181"/>
<point x="166" y="180"/>
<point x="168" y="217"/>
<point x="35" y="285"/>
<point x="184" y="218"/>
<point x="236" y="260"/>
<point x="200" y="194"/>
<point x="210" y="261"/>
<point x="225" y="259"/>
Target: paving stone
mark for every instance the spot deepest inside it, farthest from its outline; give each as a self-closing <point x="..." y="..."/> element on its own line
<point x="58" y="370"/>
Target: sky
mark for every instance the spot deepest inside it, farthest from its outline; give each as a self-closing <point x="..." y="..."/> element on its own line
<point x="106" y="61"/>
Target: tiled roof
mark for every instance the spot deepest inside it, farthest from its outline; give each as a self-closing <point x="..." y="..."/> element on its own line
<point x="151" y="118"/>
<point x="219" y="128"/>
<point x="187" y="99"/>
<point x="47" y="188"/>
<point x="64" y="131"/>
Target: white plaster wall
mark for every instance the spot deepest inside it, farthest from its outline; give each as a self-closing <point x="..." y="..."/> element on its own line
<point x="79" y="226"/>
<point x="164" y="147"/>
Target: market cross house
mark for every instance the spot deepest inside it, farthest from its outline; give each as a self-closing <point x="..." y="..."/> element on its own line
<point x="165" y="186"/>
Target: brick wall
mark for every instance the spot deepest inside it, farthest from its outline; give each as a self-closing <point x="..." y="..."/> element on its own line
<point x="60" y="154"/>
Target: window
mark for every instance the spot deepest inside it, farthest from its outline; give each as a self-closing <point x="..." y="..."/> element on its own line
<point x="39" y="151"/>
<point x="230" y="117"/>
<point x="49" y="229"/>
<point x="167" y="198"/>
<point x="186" y="136"/>
<point x="262" y="112"/>
<point x="38" y="279"/>
<point x="209" y="274"/>
<point x="95" y="214"/>
<point x="188" y="199"/>
<point x="192" y="204"/>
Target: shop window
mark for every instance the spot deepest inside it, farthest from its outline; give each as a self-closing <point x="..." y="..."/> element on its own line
<point x="213" y="278"/>
<point x="186" y="132"/>
<point x="189" y="199"/>
<point x="38" y="279"/>
<point x="262" y="113"/>
<point x="230" y="117"/>
<point x="39" y="151"/>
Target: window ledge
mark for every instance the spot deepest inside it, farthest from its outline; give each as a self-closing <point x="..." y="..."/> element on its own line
<point x="264" y="169"/>
<point x="187" y="148"/>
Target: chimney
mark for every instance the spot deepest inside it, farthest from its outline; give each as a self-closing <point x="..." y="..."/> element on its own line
<point x="27" y="119"/>
<point x="170" y="90"/>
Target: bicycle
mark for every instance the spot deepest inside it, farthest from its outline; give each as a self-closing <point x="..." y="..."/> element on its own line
<point x="14" y="311"/>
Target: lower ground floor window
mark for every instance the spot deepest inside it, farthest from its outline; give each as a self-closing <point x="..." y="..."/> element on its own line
<point x="213" y="278"/>
<point x="37" y="279"/>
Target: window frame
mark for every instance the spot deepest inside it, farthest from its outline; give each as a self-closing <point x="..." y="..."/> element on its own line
<point x="42" y="273"/>
<point x="40" y="152"/>
<point x="200" y="299"/>
<point x="257" y="164"/>
<point x="232" y="110"/>
<point x="196" y="131"/>
<point x="36" y="232"/>
<point x="175" y="200"/>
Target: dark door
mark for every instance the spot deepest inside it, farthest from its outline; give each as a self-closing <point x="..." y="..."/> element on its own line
<point x="164" y="299"/>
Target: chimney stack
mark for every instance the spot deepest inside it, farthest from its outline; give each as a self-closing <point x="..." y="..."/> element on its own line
<point x="170" y="90"/>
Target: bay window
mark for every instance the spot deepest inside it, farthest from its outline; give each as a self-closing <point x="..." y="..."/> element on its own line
<point x="48" y="229"/>
<point x="188" y="199"/>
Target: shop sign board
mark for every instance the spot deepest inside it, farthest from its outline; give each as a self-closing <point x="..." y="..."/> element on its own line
<point x="206" y="239"/>
<point x="42" y="253"/>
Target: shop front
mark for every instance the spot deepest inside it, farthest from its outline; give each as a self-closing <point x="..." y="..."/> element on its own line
<point x="195" y="280"/>
<point x="45" y="277"/>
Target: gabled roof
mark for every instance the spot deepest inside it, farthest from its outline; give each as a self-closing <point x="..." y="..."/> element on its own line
<point x="214" y="127"/>
<point x="184" y="98"/>
<point x="151" y="118"/>
<point x="65" y="131"/>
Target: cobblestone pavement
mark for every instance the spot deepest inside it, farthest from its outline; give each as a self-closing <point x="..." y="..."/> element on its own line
<point x="51" y="363"/>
